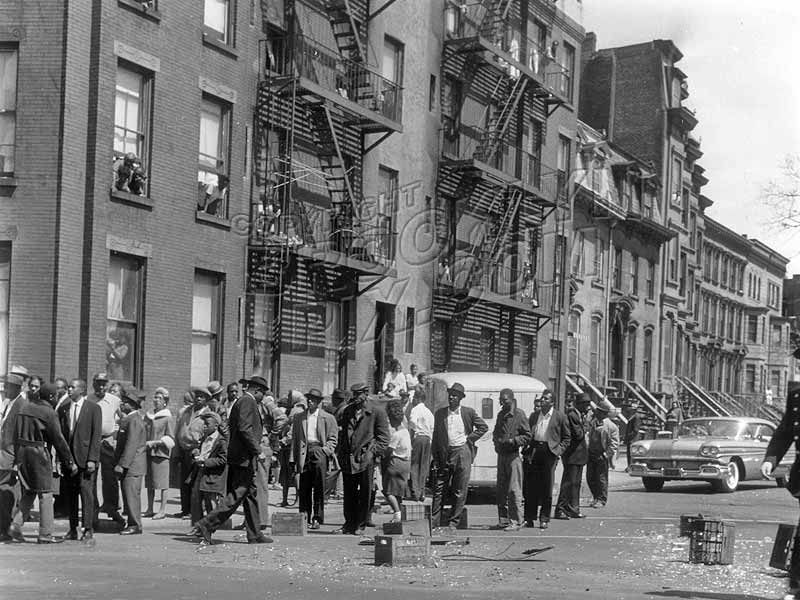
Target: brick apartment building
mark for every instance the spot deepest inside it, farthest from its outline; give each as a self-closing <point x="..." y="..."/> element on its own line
<point x="637" y="96"/>
<point x="146" y="286"/>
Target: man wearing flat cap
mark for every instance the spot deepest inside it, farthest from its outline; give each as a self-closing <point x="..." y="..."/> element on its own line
<point x="363" y="436"/>
<point x="131" y="458"/>
<point x="244" y="447"/>
<point x="603" y="443"/>
<point x="109" y="409"/>
<point x="456" y="430"/>
<point x="314" y="438"/>
<point x="9" y="488"/>
<point x="574" y="459"/>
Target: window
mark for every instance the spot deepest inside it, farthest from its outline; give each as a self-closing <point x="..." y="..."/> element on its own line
<point x="487" y="408"/>
<point x="577" y="254"/>
<point x="682" y="275"/>
<point x="631" y="354"/>
<point x="723" y="316"/>
<point x="432" y="93"/>
<point x="392" y="71"/>
<point x="673" y="259"/>
<point x="409" y="330"/>
<point x="8" y="112"/>
<point x="777" y="338"/>
<point x="558" y="269"/>
<point x="569" y="70"/>
<point x="693" y="230"/>
<point x="212" y="171"/>
<point x="124" y="317"/>
<point x="705" y="312"/>
<point x="594" y="350"/>
<point x="773" y="295"/>
<point x="750" y="379"/>
<point x="752" y="329"/>
<point x="651" y="280"/>
<point x="739" y="319"/>
<point x="690" y="291"/>
<point x="132" y="113"/>
<point x="217" y="20"/>
<point x="573" y="341"/>
<point x="564" y="162"/>
<point x="554" y="370"/>
<point x="723" y="281"/>
<point x="527" y="354"/>
<point x="634" y="287"/>
<point x="5" y="292"/>
<point x="206" y="326"/>
<point x="775" y="383"/>
<point x="677" y="180"/>
<point x="617" y="275"/>
<point x="487" y="349"/>
<point x="647" y="360"/>
<point x="388" y="187"/>
<point x="685" y="209"/>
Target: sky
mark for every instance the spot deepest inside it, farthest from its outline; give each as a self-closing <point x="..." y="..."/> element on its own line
<point x="741" y="59"/>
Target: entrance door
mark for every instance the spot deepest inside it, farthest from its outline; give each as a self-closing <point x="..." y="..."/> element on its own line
<point x="617" y="351"/>
<point x="384" y="340"/>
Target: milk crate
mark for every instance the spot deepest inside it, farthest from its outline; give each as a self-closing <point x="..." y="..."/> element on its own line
<point x="401" y="551"/>
<point x="416" y="527"/>
<point x="288" y="523"/>
<point x="413" y="511"/>
<point x="711" y="542"/>
<point x="687" y="524"/>
<point x="782" y="548"/>
<point x="463" y="522"/>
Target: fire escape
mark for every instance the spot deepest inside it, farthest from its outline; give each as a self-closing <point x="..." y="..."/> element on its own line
<point x="491" y="182"/>
<point x="318" y="99"/>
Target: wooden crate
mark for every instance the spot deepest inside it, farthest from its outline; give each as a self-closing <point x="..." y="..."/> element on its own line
<point x="402" y="551"/>
<point x="288" y="523"/>
<point x="782" y="548"/>
<point x="463" y="522"/>
<point x="712" y="542"/>
<point x="416" y="527"/>
<point x="413" y="511"/>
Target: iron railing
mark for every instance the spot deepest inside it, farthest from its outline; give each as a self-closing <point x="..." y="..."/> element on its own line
<point x="304" y="57"/>
<point x="468" y="271"/>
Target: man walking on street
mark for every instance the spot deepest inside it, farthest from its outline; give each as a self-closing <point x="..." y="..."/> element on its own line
<point x="131" y="459"/>
<point x="36" y="428"/>
<point x="511" y="433"/>
<point x="603" y="444"/>
<point x="244" y="447"/>
<point x="550" y="437"/>
<point x="456" y="430"/>
<point x="574" y="458"/>
<point x="363" y="436"/>
<point x="81" y="425"/>
<point x="420" y="424"/>
<point x="314" y="437"/>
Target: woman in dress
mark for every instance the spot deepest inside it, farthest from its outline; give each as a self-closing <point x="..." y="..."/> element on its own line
<point x="396" y="378"/>
<point x="160" y="426"/>
<point x="396" y="466"/>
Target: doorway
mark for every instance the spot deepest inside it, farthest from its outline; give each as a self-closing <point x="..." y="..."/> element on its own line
<point x="384" y="340"/>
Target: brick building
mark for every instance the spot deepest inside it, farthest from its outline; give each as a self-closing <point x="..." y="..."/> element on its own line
<point x="145" y="285"/>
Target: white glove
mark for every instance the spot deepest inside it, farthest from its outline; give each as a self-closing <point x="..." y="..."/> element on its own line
<point x="766" y="470"/>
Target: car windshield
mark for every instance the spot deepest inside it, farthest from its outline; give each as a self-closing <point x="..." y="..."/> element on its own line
<point x="709" y="428"/>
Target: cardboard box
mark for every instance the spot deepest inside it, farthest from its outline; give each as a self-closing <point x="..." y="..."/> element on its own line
<point x="402" y="551"/>
<point x="288" y="523"/>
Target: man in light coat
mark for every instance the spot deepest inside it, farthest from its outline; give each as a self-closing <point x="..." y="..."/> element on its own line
<point x="314" y="439"/>
<point x="603" y="444"/>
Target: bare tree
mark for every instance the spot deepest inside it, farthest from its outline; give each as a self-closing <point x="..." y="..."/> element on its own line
<point x="782" y="196"/>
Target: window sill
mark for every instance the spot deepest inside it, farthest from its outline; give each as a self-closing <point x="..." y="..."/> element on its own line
<point x="212" y="220"/>
<point x="139" y="9"/>
<point x="210" y="41"/>
<point x="8" y="181"/>
<point x="132" y="199"/>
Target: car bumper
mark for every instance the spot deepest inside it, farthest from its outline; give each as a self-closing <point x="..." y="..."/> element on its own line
<point x="707" y="471"/>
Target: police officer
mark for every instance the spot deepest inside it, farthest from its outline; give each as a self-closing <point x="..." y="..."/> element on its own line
<point x="788" y="432"/>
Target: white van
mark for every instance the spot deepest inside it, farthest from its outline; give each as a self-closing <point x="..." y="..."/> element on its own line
<point x="483" y="395"/>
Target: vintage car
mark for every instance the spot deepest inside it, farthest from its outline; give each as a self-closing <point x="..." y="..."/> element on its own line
<point x="722" y="450"/>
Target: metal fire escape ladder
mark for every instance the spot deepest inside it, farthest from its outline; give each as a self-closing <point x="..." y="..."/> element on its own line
<point x="513" y="201"/>
<point x="346" y="30"/>
<point x="499" y="124"/>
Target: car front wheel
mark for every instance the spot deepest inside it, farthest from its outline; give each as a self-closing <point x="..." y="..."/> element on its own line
<point x="731" y="480"/>
<point x="653" y="484"/>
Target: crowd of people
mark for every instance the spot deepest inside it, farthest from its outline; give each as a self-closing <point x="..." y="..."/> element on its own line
<point x="227" y="445"/>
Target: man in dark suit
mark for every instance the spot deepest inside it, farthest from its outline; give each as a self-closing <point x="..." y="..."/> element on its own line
<point x="81" y="423"/>
<point x="244" y="447"/>
<point x="10" y="404"/>
<point x="456" y="429"/>
<point x="363" y="436"/>
<point x="574" y="459"/>
<point x="785" y="435"/>
<point x="314" y="437"/>
<point x="131" y="458"/>
<point x="550" y="437"/>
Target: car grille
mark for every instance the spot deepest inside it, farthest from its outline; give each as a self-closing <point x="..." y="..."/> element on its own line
<point x="692" y="465"/>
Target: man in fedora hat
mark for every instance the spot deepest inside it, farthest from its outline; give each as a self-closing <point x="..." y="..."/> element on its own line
<point x="363" y="436"/>
<point x="574" y="459"/>
<point x="603" y="444"/>
<point x="131" y="458"/>
<point x="314" y="437"/>
<point x="244" y="447"/>
<point x="456" y="429"/>
<point x="9" y="488"/>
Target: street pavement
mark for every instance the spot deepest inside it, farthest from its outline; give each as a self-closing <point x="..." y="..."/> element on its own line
<point x="628" y="549"/>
